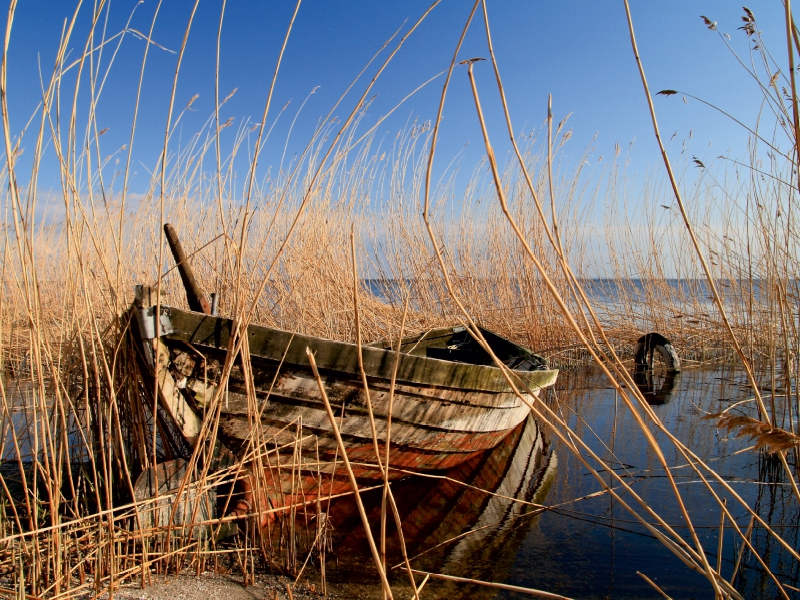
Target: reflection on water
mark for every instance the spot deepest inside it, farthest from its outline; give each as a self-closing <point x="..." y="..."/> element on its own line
<point x="28" y="422"/>
<point x="656" y="386"/>
<point x="438" y="512"/>
<point x="588" y="548"/>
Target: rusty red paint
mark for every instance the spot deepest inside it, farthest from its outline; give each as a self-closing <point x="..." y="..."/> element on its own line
<point x="309" y="486"/>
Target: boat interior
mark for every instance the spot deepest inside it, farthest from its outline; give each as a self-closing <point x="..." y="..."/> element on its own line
<point x="455" y="344"/>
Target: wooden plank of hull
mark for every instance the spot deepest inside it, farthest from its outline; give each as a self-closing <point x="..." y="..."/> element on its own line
<point x="307" y="485"/>
<point x="357" y="425"/>
<point x="293" y="381"/>
<point x="295" y="395"/>
<point x="169" y="395"/>
<point x="419" y="423"/>
<point x="425" y="451"/>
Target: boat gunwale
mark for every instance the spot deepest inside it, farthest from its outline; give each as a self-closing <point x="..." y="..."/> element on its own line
<point x="214" y="332"/>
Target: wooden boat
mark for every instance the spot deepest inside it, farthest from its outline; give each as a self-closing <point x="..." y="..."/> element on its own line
<point x="450" y="402"/>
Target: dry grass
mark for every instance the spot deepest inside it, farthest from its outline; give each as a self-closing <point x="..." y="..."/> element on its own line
<point x="78" y="421"/>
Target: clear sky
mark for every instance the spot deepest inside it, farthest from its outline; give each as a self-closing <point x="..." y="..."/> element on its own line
<point x="579" y="51"/>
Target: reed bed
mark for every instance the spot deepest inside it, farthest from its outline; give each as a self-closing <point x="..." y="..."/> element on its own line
<point x="334" y="246"/>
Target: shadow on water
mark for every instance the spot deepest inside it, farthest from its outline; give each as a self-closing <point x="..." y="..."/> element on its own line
<point x="587" y="548"/>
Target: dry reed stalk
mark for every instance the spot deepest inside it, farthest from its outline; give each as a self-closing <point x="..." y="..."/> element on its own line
<point x="97" y="283"/>
<point x="388" y="443"/>
<point x="353" y="483"/>
<point x="578" y="331"/>
<point x="653" y="585"/>
<point x="782" y="457"/>
<point x="383" y="467"/>
<point x="474" y="330"/>
<point x="712" y="577"/>
<point x="709" y="277"/>
<point x="689" y="228"/>
<point x="499" y="586"/>
<point x="720" y="537"/>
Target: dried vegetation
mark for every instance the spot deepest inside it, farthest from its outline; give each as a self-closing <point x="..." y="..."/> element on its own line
<point x="79" y="422"/>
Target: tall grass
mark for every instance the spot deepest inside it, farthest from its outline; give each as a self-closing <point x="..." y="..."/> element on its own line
<point x="78" y="419"/>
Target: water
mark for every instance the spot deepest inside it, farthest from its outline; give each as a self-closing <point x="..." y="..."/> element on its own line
<point x="28" y="424"/>
<point x="594" y="550"/>
<point x="590" y="548"/>
<point x="610" y="291"/>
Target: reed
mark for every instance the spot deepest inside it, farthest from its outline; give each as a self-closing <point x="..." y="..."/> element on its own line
<point x="304" y="251"/>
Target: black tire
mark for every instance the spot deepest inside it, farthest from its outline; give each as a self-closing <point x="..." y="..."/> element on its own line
<point x="655" y="342"/>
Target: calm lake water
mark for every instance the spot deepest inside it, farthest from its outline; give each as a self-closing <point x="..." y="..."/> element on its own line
<point x="589" y="548"/>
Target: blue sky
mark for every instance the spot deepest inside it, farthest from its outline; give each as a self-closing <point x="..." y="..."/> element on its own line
<point x="579" y="51"/>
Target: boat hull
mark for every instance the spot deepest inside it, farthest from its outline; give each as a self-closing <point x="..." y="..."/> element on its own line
<point x="443" y="412"/>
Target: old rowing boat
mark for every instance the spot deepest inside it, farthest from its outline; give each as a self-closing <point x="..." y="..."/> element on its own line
<point x="449" y="402"/>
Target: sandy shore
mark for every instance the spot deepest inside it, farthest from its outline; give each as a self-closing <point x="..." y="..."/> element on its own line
<point x="211" y="586"/>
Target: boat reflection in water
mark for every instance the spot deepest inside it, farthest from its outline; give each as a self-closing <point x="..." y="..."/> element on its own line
<point x="451" y="524"/>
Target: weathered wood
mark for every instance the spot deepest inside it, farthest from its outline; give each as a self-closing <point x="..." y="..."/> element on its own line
<point x="157" y="488"/>
<point x="146" y="296"/>
<point x="194" y="295"/>
<point x="172" y="400"/>
<point x="443" y="413"/>
<point x="467" y="435"/>
<point x="436" y="408"/>
<point x="169" y="395"/>
<point x="341" y="357"/>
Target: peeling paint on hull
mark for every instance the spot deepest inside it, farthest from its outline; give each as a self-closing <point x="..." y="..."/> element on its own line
<point x="445" y="411"/>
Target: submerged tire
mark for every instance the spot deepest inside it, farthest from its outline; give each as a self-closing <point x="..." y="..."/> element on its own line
<point x="655" y="342"/>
